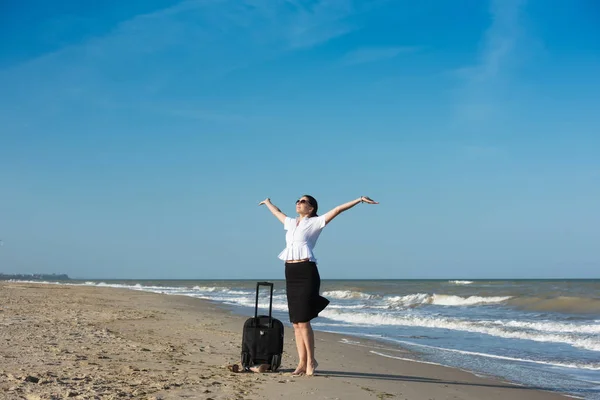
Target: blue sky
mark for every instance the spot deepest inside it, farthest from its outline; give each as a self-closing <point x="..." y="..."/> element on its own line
<point x="136" y="138"/>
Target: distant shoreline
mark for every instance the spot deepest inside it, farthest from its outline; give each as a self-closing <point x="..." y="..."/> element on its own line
<point x="35" y="277"/>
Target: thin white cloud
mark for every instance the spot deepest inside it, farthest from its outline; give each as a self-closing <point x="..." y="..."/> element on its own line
<point x="195" y="24"/>
<point x="374" y="54"/>
<point x="319" y="23"/>
<point x="500" y="40"/>
<point x="486" y="81"/>
<point x="208" y="39"/>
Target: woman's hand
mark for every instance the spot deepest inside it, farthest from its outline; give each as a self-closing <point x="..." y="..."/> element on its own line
<point x="368" y="200"/>
<point x="273" y="208"/>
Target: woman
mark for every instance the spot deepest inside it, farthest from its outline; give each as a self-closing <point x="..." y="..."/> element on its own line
<point x="301" y="275"/>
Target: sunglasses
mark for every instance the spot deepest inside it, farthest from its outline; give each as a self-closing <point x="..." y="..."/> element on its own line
<point x="302" y="201"/>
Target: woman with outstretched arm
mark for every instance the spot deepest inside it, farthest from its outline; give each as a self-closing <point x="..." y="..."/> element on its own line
<point x="301" y="274"/>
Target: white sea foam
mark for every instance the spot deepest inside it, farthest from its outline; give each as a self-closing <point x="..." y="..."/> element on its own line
<point x="412" y="300"/>
<point x="137" y="286"/>
<point x="349" y="307"/>
<point x="449" y="300"/>
<point x="550" y="326"/>
<point x="250" y="302"/>
<point x="206" y="288"/>
<point x="457" y="282"/>
<point x="348" y="341"/>
<point x="362" y="318"/>
<point x="348" y="294"/>
<point x="409" y="300"/>
<point x="43" y="282"/>
<point x="217" y="289"/>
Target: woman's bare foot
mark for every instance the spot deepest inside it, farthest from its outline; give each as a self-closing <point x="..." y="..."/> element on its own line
<point x="312" y="367"/>
<point x="300" y="370"/>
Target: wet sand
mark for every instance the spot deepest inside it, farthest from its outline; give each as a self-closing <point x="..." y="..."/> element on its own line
<point x="102" y="343"/>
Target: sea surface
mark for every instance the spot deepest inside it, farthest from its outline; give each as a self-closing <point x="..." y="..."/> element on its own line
<point x="539" y="333"/>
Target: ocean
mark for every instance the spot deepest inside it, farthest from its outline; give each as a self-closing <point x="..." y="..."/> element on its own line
<point x="539" y="333"/>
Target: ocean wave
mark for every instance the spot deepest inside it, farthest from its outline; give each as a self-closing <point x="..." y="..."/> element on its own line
<point x="409" y="300"/>
<point x="413" y="300"/>
<point x="361" y="318"/>
<point x="348" y="294"/>
<point x="449" y="300"/>
<point x="136" y="286"/>
<point x="170" y="289"/>
<point x="263" y="306"/>
<point x="206" y="288"/>
<point x="457" y="282"/>
<point x="352" y="307"/>
<point x="563" y="304"/>
<point x="550" y="326"/>
<point x="219" y="289"/>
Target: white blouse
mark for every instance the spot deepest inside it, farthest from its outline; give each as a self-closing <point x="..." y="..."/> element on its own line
<point x="301" y="238"/>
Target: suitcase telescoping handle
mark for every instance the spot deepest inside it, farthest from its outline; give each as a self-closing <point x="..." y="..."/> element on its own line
<point x="258" y="285"/>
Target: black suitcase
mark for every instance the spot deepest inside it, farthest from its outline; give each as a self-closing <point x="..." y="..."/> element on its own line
<point x="262" y="339"/>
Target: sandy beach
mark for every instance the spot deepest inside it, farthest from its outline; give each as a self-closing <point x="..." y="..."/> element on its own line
<point x="103" y="343"/>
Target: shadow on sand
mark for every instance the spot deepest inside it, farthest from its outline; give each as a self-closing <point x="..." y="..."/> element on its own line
<point x="407" y="378"/>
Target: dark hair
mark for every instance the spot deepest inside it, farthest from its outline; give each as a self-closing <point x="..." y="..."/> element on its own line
<point x="313" y="203"/>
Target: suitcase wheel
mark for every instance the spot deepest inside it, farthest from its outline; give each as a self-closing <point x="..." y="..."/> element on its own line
<point x="275" y="362"/>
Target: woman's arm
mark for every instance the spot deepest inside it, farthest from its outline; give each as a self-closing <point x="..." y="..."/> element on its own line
<point x="276" y="211"/>
<point x="346" y="206"/>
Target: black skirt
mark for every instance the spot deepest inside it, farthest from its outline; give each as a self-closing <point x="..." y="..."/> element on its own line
<point x="303" y="283"/>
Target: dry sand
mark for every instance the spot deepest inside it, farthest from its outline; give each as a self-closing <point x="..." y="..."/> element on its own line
<point x="101" y="343"/>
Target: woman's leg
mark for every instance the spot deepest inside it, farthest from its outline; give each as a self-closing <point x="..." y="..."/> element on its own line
<point x="308" y="337"/>
<point x="301" y="347"/>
